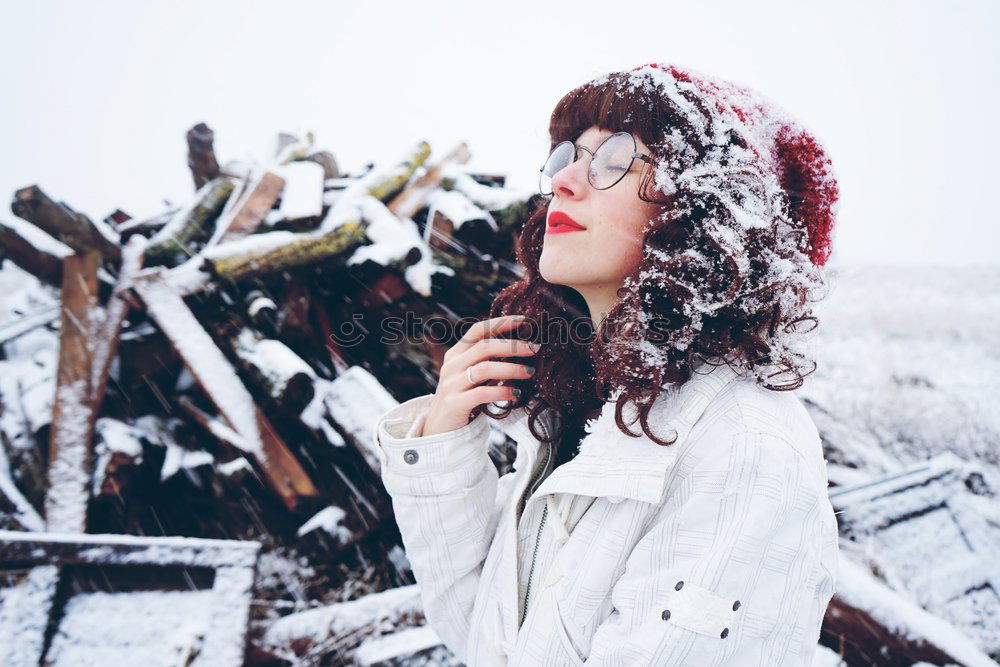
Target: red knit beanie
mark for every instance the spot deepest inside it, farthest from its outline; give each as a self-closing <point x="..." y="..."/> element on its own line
<point x="802" y="166"/>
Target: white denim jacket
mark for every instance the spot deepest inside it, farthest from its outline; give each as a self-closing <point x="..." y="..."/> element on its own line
<point x="720" y="549"/>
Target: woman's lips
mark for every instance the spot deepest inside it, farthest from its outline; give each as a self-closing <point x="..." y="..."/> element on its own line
<point x="560" y="223"/>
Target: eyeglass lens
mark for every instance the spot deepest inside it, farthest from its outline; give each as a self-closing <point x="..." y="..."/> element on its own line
<point x="610" y="162"/>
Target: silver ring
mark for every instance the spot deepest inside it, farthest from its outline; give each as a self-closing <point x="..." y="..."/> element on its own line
<point x="468" y="374"/>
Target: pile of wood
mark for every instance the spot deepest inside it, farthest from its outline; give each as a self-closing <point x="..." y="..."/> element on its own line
<point x="220" y="365"/>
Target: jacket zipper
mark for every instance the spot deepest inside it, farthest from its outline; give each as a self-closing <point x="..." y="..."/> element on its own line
<point x="538" y="536"/>
<point x="527" y="589"/>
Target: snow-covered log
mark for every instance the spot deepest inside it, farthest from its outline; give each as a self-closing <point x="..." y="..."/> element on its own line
<point x="340" y="628"/>
<point x="177" y="240"/>
<point x="340" y="233"/>
<point x="33" y="250"/>
<point x="354" y="399"/>
<point x="384" y="183"/>
<point x="61" y="222"/>
<point x="280" y="373"/>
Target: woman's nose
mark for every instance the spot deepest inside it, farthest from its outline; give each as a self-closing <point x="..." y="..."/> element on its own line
<point x="571" y="181"/>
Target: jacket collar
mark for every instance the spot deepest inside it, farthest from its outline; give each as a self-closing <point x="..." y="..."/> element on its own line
<point x="610" y="463"/>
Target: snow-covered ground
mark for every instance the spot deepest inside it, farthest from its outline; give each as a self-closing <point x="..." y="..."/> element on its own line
<point x="909" y="359"/>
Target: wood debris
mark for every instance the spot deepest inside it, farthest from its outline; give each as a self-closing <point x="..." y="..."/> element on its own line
<point x="207" y="384"/>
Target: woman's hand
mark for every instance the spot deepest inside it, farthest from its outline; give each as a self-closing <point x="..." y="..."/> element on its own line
<point x="455" y="397"/>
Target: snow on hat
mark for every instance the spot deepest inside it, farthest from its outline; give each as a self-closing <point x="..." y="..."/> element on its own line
<point x="802" y="167"/>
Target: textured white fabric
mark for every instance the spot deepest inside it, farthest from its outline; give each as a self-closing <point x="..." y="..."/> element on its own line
<point x="736" y="510"/>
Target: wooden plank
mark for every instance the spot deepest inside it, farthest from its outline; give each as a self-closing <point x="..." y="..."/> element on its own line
<point x="20" y="549"/>
<point x="71" y="436"/>
<point x="251" y="209"/>
<point x="411" y="200"/>
<point x="109" y="330"/>
<point x="24" y="622"/>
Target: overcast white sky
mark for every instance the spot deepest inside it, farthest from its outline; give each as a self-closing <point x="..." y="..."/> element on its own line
<point x="98" y="95"/>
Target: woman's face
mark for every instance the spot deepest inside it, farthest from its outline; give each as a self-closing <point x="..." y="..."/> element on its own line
<point x="596" y="260"/>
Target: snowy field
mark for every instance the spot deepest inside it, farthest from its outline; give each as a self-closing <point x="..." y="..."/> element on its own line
<point x="909" y="360"/>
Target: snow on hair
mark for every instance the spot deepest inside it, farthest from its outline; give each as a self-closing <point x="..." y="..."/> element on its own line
<point x="730" y="265"/>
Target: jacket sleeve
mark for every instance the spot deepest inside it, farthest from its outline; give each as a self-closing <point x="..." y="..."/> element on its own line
<point x="444" y="495"/>
<point x="737" y="568"/>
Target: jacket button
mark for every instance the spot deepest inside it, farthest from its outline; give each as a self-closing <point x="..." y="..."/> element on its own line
<point x="410" y="456"/>
<point x="665" y="615"/>
<point x="680" y="585"/>
<point x="736" y="605"/>
<point x="725" y="633"/>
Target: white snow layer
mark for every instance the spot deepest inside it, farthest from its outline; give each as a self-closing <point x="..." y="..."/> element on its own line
<point x="328" y="520"/>
<point x="302" y="196"/>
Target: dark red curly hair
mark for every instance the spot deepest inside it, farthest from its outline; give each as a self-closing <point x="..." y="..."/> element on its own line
<point x="730" y="266"/>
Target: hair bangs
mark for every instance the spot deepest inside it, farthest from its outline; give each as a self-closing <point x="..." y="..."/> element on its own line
<point x="613" y="102"/>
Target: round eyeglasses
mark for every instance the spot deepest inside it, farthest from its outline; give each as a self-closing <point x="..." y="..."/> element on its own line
<point x="608" y="164"/>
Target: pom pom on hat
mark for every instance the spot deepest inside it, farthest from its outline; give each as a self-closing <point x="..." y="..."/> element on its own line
<point x="800" y="163"/>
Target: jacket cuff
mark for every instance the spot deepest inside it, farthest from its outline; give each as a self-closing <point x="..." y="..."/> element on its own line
<point x="432" y="464"/>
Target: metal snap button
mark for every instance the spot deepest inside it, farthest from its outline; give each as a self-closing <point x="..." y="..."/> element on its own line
<point x="680" y="585"/>
<point x="410" y="456"/>
<point x="665" y="615"/>
<point x="725" y="633"/>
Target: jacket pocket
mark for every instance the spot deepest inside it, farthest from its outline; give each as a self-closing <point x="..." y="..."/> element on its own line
<point x="699" y="609"/>
<point x="569" y="648"/>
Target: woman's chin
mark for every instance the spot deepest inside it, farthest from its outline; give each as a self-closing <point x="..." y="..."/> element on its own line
<point x="557" y="275"/>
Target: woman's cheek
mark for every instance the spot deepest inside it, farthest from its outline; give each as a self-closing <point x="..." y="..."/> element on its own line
<point x="625" y="252"/>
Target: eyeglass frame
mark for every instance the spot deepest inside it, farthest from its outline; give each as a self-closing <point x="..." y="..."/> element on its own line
<point x="635" y="154"/>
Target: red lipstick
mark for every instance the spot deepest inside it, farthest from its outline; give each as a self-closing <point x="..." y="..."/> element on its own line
<point x="559" y="223"/>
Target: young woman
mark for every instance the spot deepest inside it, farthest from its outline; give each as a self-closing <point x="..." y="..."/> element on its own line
<point x="668" y="501"/>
